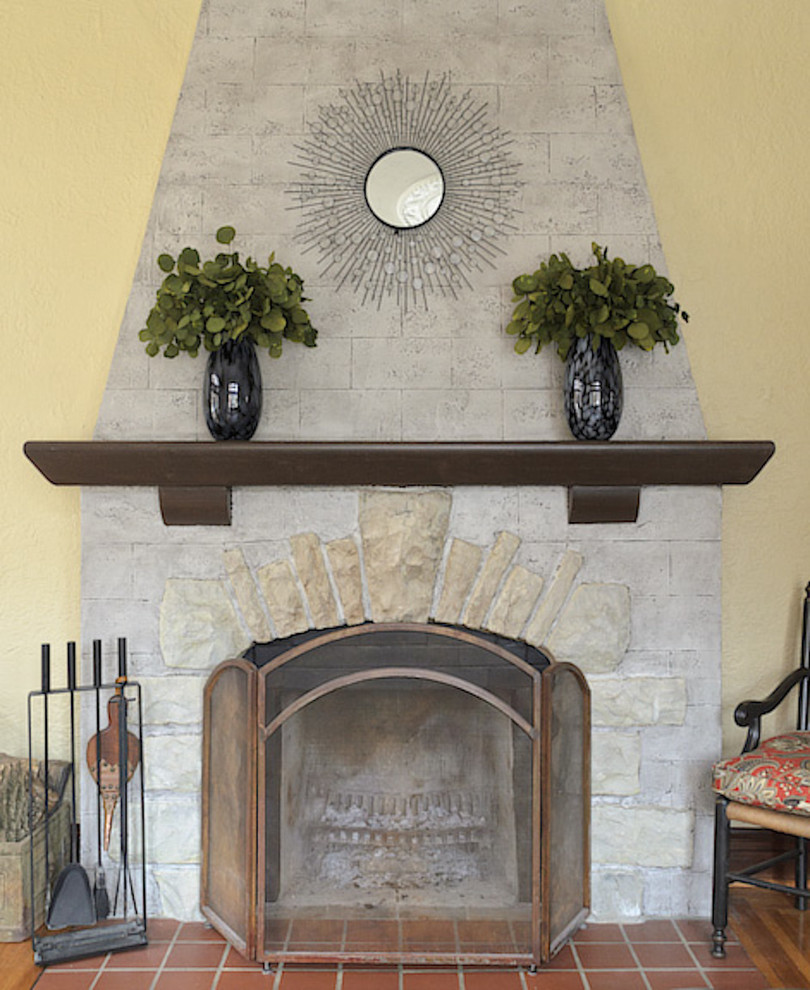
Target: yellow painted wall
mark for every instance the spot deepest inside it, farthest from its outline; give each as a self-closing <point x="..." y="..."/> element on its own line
<point x="86" y="101"/>
<point x="719" y="95"/>
<point x="720" y="98"/>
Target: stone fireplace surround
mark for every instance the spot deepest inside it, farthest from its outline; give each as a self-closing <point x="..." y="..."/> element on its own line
<point x="635" y="606"/>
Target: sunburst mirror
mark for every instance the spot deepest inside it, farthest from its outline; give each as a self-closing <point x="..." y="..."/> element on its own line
<point x="405" y="189"/>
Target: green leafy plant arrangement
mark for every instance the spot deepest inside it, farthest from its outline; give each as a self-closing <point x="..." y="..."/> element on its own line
<point x="628" y="304"/>
<point x="205" y="304"/>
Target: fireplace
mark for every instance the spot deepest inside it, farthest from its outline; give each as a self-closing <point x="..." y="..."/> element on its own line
<point x="396" y="792"/>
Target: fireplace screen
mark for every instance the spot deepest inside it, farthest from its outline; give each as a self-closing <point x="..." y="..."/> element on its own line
<point x="389" y="793"/>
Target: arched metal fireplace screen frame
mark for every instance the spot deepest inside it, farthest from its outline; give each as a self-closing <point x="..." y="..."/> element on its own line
<point x="248" y="701"/>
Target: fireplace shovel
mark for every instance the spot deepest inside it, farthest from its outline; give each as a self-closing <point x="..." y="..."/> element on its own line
<point x="72" y="901"/>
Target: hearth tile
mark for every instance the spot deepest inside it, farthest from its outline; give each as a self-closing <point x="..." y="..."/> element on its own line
<point x="311" y="932"/>
<point x="147" y="957"/>
<point x="368" y="979"/>
<point x="663" y="955"/>
<point x="606" y="956"/>
<point x="697" y="930"/>
<point x="430" y="981"/>
<point x="599" y="933"/>
<point x="161" y="929"/>
<point x="492" y="981"/>
<point x="616" y="979"/>
<point x="250" y="981"/>
<point x="435" y="935"/>
<point x="92" y="963"/>
<point x="235" y="960"/>
<point x="544" y="980"/>
<point x="185" y="980"/>
<point x="125" y="979"/>
<point x="750" y="979"/>
<point x="380" y="934"/>
<point x="563" y="960"/>
<point x="659" y="930"/>
<point x="486" y="936"/>
<point x="304" y="980"/>
<point x="195" y="955"/>
<point x="62" y="979"/>
<point x="675" y="979"/>
<point x="198" y="931"/>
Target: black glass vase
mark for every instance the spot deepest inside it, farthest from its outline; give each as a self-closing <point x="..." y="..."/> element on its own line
<point x="232" y="391"/>
<point x="593" y="389"/>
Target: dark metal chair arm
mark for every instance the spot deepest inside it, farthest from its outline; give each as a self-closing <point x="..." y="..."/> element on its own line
<point x="749" y="713"/>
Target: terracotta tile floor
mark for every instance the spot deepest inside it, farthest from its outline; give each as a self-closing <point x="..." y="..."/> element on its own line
<point x="655" y="955"/>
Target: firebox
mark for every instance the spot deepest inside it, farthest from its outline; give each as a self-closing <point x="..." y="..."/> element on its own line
<point x="396" y="793"/>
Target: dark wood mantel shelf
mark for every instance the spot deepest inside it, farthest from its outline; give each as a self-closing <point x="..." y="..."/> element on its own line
<point x="195" y="478"/>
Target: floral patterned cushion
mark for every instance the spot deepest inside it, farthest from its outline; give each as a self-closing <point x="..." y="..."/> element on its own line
<point x="775" y="775"/>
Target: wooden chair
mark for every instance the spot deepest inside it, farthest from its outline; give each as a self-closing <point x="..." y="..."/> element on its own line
<point x="768" y="785"/>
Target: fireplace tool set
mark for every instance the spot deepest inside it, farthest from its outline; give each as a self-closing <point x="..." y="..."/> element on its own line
<point x="83" y="919"/>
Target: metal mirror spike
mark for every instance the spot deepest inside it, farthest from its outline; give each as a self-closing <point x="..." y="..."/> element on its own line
<point x="439" y="250"/>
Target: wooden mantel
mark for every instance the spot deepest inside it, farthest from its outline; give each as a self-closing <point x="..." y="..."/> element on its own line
<point x="195" y="478"/>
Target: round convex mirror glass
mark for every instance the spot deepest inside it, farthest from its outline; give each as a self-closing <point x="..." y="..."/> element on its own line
<point x="404" y="188"/>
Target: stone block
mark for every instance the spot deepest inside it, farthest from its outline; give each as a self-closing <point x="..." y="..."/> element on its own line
<point x="642" y="836"/>
<point x="410" y="363"/>
<point x="344" y="414"/>
<point x="478" y="514"/>
<point x="460" y="571"/>
<point x="344" y="559"/>
<point x="534" y="414"/>
<point x="615" y="763"/>
<point x="403" y="536"/>
<point x="524" y="17"/>
<point x="559" y="208"/>
<point x="309" y="562"/>
<point x="489" y="579"/>
<point x="450" y="414"/>
<point x="523" y="59"/>
<point x="616" y="895"/>
<point x="476" y="364"/>
<point x="178" y="892"/>
<point x="676" y="623"/>
<point x="478" y="18"/>
<point x="350" y="18"/>
<point x="628" y="701"/>
<point x="596" y="159"/>
<point x="593" y="630"/>
<point x="173" y="763"/>
<point x="175" y="700"/>
<point x="515" y="602"/>
<point x="199" y="627"/>
<point x="283" y="598"/>
<point x="583" y="58"/>
<point x="247" y="595"/>
<point x="625" y="209"/>
<point x="173" y="830"/>
<point x="552" y="602"/>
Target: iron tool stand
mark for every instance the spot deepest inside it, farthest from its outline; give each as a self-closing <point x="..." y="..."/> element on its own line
<point x="125" y="925"/>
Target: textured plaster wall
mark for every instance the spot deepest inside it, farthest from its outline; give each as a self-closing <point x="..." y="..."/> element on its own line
<point x="720" y="104"/>
<point x="86" y="103"/>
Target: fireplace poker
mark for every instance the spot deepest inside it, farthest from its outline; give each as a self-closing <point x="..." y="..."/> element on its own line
<point x="100" y="895"/>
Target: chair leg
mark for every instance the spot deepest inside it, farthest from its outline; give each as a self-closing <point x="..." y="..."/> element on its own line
<point x="801" y="872"/>
<point x="720" y="885"/>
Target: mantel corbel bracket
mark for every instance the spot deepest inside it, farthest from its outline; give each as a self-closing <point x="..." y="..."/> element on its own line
<point x="602" y="504"/>
<point x="195" y="506"/>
